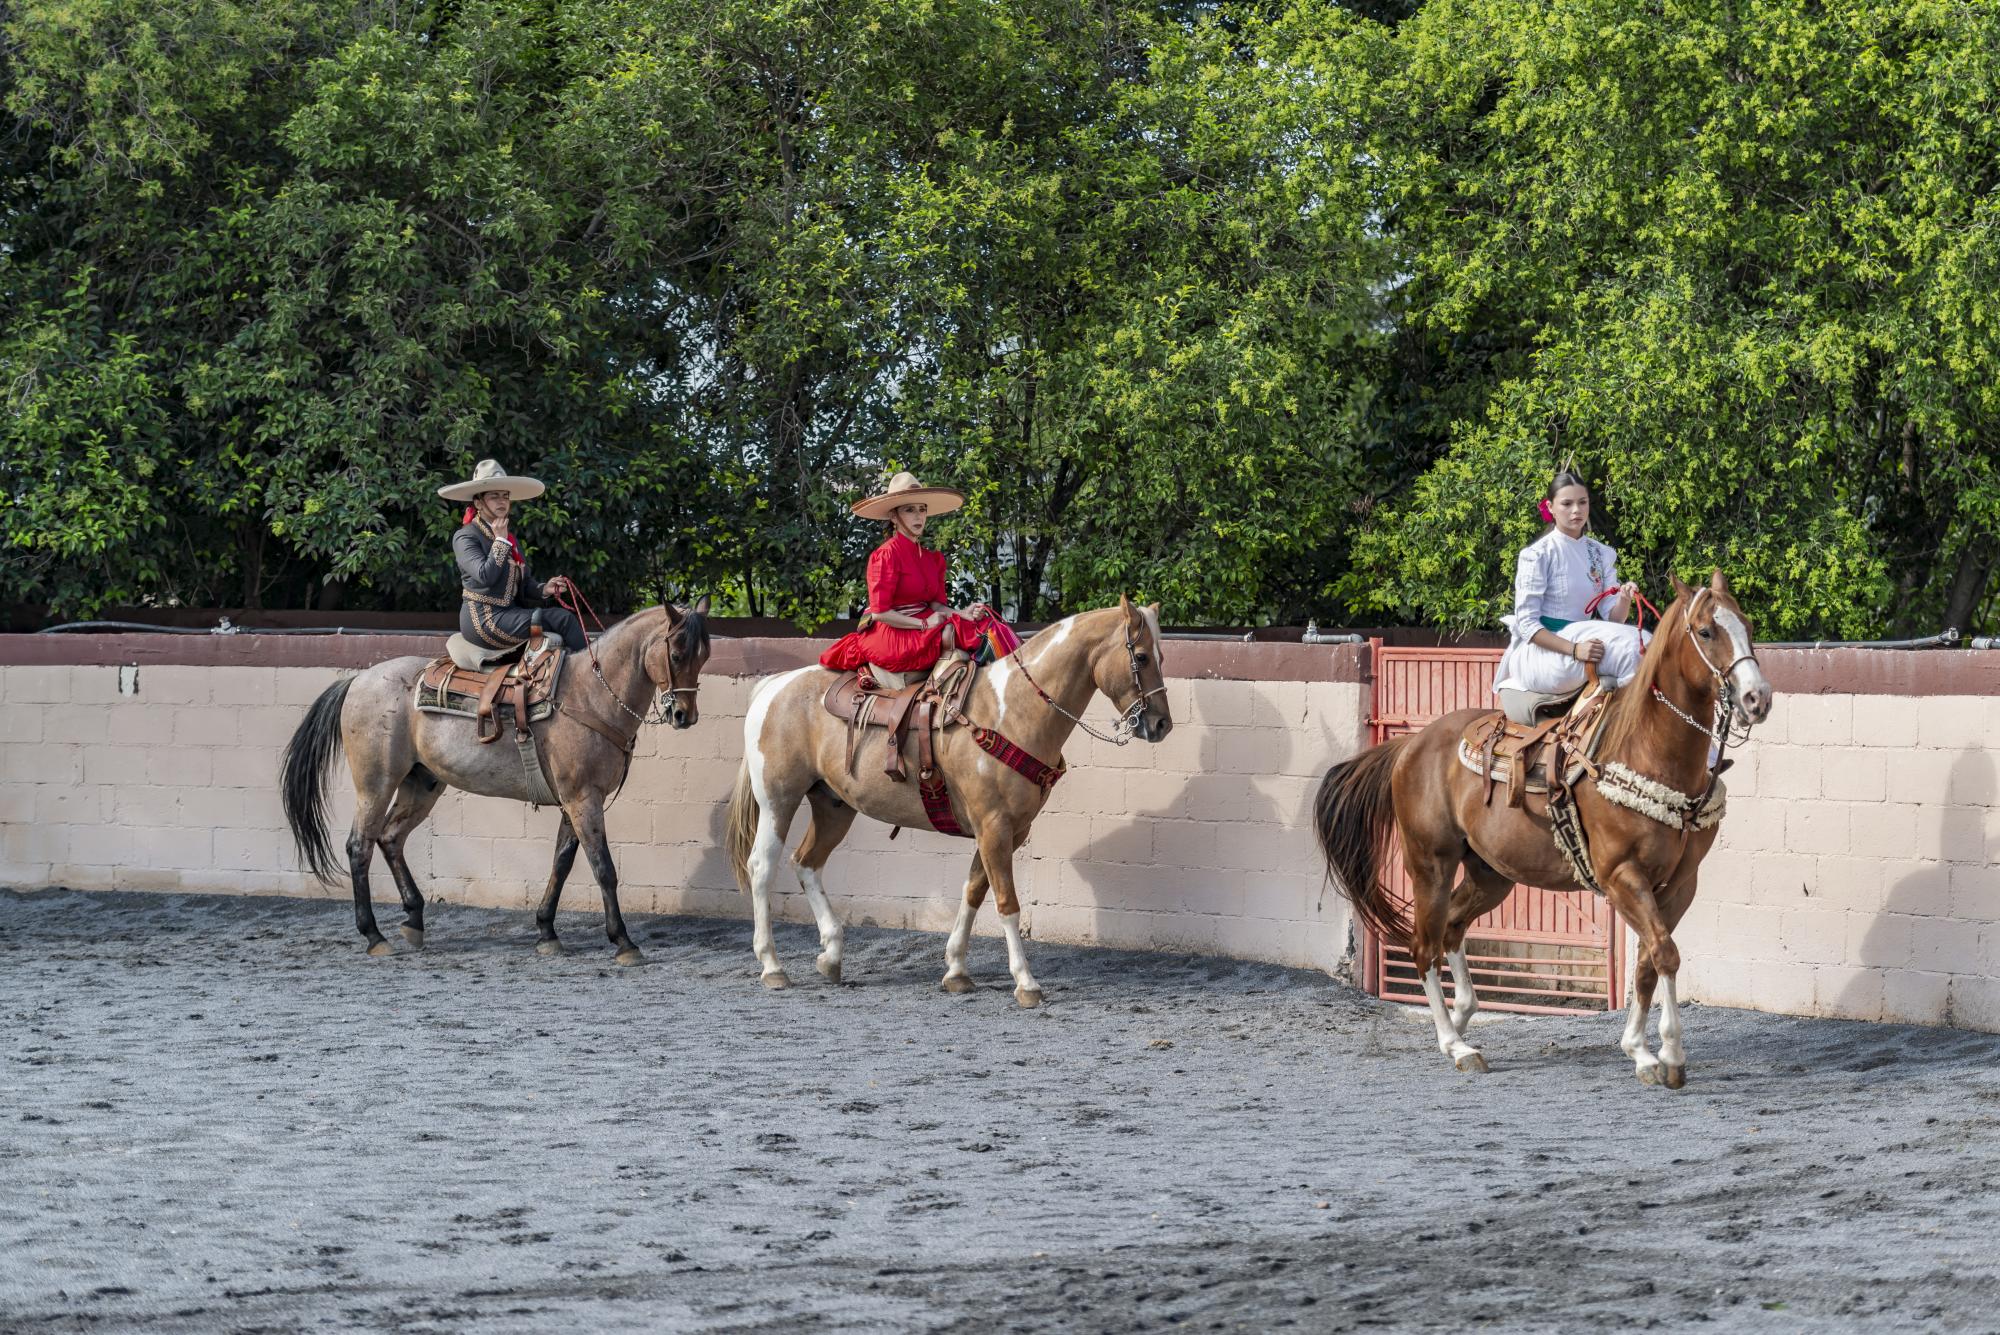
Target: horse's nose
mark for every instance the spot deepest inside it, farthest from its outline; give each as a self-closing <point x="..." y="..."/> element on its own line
<point x="1757" y="703"/>
<point x="1160" y="730"/>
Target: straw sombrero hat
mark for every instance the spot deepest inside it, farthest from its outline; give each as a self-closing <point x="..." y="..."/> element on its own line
<point x="490" y="476"/>
<point x="904" y="489"/>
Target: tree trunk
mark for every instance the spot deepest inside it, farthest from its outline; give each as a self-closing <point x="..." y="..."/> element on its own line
<point x="1968" y="585"/>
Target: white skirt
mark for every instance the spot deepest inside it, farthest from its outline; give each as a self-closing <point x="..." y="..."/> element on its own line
<point x="1527" y="666"/>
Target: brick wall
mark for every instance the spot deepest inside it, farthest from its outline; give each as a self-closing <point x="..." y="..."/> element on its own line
<point x="1200" y="843"/>
<point x="1858" y="873"/>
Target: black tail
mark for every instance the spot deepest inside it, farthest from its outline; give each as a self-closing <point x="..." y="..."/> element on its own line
<point x="308" y="757"/>
<point x="1352" y="816"/>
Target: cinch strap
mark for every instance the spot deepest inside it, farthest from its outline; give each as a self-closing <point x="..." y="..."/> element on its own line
<point x="937" y="798"/>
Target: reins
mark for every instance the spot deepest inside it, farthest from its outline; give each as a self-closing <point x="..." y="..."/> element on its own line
<point x="1127" y="726"/>
<point x="578" y="609"/>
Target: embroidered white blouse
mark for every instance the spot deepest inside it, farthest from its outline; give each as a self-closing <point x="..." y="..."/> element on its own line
<point x="1554" y="577"/>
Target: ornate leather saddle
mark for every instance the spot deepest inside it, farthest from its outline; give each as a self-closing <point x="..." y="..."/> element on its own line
<point x="1503" y="751"/>
<point x="938" y="701"/>
<point x="526" y="688"/>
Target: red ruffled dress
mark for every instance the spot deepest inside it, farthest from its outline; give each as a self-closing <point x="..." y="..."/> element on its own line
<point x="905" y="576"/>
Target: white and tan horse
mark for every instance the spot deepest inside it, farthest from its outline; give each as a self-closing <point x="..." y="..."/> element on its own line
<point x="997" y="769"/>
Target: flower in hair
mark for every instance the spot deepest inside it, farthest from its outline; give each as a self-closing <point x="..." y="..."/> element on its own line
<point x="1548" y="515"/>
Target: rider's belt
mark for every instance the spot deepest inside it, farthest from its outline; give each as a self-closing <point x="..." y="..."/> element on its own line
<point x="1548" y="623"/>
<point x="486" y="598"/>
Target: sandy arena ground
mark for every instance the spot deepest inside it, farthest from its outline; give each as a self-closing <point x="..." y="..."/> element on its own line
<point x="217" y="1115"/>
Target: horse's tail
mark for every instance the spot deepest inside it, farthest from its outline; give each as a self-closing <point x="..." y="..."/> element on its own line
<point x="308" y="757"/>
<point x="740" y="828"/>
<point x="1351" y="816"/>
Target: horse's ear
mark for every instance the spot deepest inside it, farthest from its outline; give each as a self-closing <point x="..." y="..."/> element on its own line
<point x="1680" y="590"/>
<point x="1154" y="608"/>
<point x="1125" y="606"/>
<point x="700" y="609"/>
<point x="1718" y="581"/>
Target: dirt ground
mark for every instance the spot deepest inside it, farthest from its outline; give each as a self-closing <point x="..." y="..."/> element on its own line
<point x="217" y="1115"/>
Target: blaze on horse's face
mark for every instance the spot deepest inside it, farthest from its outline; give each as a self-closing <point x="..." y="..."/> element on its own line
<point x="675" y="658"/>
<point x="1719" y="643"/>
<point x="1132" y="673"/>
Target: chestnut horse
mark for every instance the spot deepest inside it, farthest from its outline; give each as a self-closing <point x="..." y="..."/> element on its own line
<point x="402" y="760"/>
<point x="794" y="750"/>
<point x="1701" y="666"/>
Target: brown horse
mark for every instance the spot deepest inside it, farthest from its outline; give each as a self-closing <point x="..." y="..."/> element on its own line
<point x="1701" y="665"/>
<point x="794" y="750"/>
<point x="402" y="760"/>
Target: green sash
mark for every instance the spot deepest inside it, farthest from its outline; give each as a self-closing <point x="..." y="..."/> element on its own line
<point x="1555" y="623"/>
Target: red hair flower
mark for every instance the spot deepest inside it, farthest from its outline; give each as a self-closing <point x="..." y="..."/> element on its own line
<point x="1542" y="508"/>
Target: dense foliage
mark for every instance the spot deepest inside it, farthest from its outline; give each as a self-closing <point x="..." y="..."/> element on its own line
<point x="1269" y="311"/>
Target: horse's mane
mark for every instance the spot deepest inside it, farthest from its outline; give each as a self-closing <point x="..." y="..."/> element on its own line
<point x="1627" y="711"/>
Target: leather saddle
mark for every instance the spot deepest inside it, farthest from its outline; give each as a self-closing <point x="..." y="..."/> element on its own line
<point x="861" y="701"/>
<point x="524" y="681"/>
<point x="1502" y="750"/>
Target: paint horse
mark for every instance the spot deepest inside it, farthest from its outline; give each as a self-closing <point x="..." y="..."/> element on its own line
<point x="402" y="759"/>
<point x="997" y="770"/>
<point x="1646" y="811"/>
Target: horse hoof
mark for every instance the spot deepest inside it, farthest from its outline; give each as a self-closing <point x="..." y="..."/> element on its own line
<point x="380" y="949"/>
<point x="549" y="947"/>
<point x="1674" y="1076"/>
<point x="1028" y="1000"/>
<point x="777" y="981"/>
<point x="830" y="968"/>
<point x="1649" y="1075"/>
<point x="414" y="935"/>
<point x="958" y="982"/>
<point x="1473" y="1062"/>
<point x="630" y="956"/>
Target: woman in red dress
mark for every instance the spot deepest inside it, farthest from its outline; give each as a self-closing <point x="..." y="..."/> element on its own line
<point x="909" y="625"/>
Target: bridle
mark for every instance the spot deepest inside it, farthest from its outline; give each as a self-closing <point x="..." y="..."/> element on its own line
<point x="1727" y="729"/>
<point x="659" y="714"/>
<point x="1127" y="727"/>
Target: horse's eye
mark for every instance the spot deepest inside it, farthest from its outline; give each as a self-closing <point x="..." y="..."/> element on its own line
<point x="1141" y="659"/>
<point x="1706" y="632"/>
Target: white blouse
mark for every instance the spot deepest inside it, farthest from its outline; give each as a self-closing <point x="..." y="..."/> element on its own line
<point x="1557" y="576"/>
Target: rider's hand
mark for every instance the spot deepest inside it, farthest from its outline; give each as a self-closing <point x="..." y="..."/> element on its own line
<point x="1588" y="651"/>
<point x="499" y="527"/>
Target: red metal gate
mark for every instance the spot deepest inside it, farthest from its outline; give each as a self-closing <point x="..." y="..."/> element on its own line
<point x="1541" y="950"/>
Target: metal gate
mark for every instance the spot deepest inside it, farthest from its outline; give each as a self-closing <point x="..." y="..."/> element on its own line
<point x="1540" y="951"/>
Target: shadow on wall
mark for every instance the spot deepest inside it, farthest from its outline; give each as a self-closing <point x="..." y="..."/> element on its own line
<point x="1222" y="841"/>
<point x="1931" y="953"/>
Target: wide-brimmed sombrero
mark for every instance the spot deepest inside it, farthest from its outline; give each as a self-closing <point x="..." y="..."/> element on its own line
<point x="490" y="476"/>
<point x="904" y="489"/>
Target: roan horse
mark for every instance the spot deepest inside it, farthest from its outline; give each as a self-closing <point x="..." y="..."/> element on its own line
<point x="402" y="760"/>
<point x="1701" y="665"/>
<point x="793" y="749"/>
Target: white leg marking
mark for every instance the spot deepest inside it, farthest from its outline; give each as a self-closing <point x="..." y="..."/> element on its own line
<point x="769" y="845"/>
<point x="832" y="936"/>
<point x="1633" y="1040"/>
<point x="1450" y="1042"/>
<point x="1671" y="1051"/>
<point x="955" y="944"/>
<point x="1465" y="1002"/>
<point x="1017" y="958"/>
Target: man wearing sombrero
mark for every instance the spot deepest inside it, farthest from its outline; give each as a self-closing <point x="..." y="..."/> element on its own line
<point x="501" y="599"/>
<point x="909" y="625"/>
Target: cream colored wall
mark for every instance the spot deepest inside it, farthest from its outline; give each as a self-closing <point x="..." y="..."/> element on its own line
<point x="1200" y="843"/>
<point x="1858" y="872"/>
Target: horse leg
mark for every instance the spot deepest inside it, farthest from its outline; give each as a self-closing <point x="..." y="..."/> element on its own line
<point x="1482" y="890"/>
<point x="996" y="850"/>
<point x="831" y="820"/>
<point x="1673" y="1055"/>
<point x="546" y="941"/>
<point x="419" y="793"/>
<point x="1658" y="959"/>
<point x="1430" y="912"/>
<point x="370" y="818"/>
<point x="766" y="847"/>
<point x="956" y="979"/>
<point x="587" y="819"/>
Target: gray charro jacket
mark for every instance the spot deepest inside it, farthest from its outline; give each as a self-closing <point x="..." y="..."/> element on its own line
<point x="487" y="571"/>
